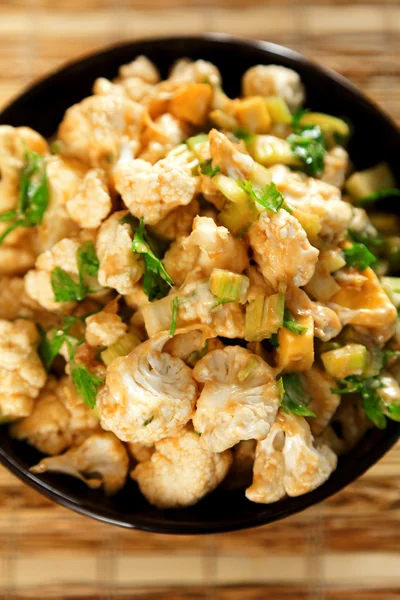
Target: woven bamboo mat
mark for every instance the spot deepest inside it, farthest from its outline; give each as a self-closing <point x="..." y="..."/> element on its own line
<point x="345" y="549"/>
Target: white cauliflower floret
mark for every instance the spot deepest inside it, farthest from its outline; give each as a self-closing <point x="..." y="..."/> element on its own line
<point x="191" y="346"/>
<point x="104" y="328"/>
<point x="239" y="401"/>
<point x="198" y="71"/>
<point x="208" y="247"/>
<point x="336" y="165"/>
<point x="64" y="178"/>
<point x="274" y="80"/>
<point x="59" y="419"/>
<point x="282" y="250"/>
<point x="178" y="222"/>
<point x="21" y="372"/>
<point x="327" y="324"/>
<point x="288" y="462"/>
<point x="230" y="159"/>
<point x="14" y="141"/>
<point x="120" y="268"/>
<point x="161" y="136"/>
<point x="101" y="460"/>
<point x="92" y="203"/>
<point x="307" y="197"/>
<point x="152" y="191"/>
<point x="181" y="471"/>
<point x="142" y="68"/>
<point x="148" y="394"/>
<point x="324" y="403"/>
<point x="96" y="129"/>
<point x="38" y="280"/>
<point x="21" y="256"/>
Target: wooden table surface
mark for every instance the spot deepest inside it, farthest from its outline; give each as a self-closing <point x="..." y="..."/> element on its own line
<point x="345" y="549"/>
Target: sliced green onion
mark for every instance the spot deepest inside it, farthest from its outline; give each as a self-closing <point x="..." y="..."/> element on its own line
<point x="229" y="286"/>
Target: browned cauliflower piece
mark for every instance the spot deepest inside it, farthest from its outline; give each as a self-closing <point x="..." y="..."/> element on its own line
<point x="208" y="247"/>
<point x="327" y="324"/>
<point x="120" y="268"/>
<point x="92" y="202"/>
<point x="314" y="200"/>
<point x="198" y="71"/>
<point x="152" y="191"/>
<point x="274" y="80"/>
<point x="288" y="461"/>
<point x="191" y="346"/>
<point x="21" y="372"/>
<point x="178" y="222"/>
<point x="97" y="129"/>
<point x="181" y="471"/>
<point x="161" y="135"/>
<point x="239" y="401"/>
<point x="148" y="394"/>
<point x="324" y="403"/>
<point x="282" y="250"/>
<point x="336" y="166"/>
<point x="101" y="460"/>
<point x="140" y="452"/>
<point x="142" y="68"/>
<point x="104" y="328"/>
<point x="59" y="419"/>
<point x="230" y="158"/>
<point x="17" y="258"/>
<point x="64" y="178"/>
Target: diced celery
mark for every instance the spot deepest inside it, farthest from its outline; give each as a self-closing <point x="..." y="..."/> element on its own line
<point x="122" y="347"/>
<point x="385" y="223"/>
<point x="278" y="110"/>
<point x="311" y="223"/>
<point x="264" y="316"/>
<point x="269" y="150"/>
<point x="343" y="362"/>
<point x="226" y="285"/>
<point x="199" y="145"/>
<point x="362" y="184"/>
<point x="391" y="285"/>
<point x="157" y="315"/>
<point x="248" y="369"/>
<point x="322" y="286"/>
<point x="332" y="260"/>
<point x="238" y="216"/>
<point x="229" y="188"/>
<point x="330" y="126"/>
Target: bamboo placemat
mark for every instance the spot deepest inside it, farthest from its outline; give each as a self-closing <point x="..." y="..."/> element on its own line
<point x="345" y="549"/>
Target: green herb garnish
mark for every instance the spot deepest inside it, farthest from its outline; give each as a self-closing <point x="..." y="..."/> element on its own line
<point x="290" y="323"/>
<point x="308" y="144"/>
<point x="359" y="256"/>
<point x="268" y="196"/>
<point x="148" y="421"/>
<point x="33" y="195"/>
<point x="175" y="306"/>
<point x="51" y="341"/>
<point x="241" y="133"/>
<point x="156" y="281"/>
<point x="294" y="397"/>
<point x="65" y="289"/>
<point x="86" y="383"/>
<point x="274" y="340"/>
<point x="380" y="195"/>
<point x="207" y="169"/>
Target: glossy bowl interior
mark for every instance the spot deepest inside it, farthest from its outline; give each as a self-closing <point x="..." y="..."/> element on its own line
<point x="375" y="138"/>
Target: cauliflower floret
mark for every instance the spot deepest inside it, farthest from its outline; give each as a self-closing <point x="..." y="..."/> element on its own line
<point x="161" y="136"/>
<point x="104" y="328"/>
<point x="21" y="372"/>
<point x="64" y="178"/>
<point x="307" y="197"/>
<point x="101" y="460"/>
<point x="319" y="385"/>
<point x="140" y="452"/>
<point x="191" y="346"/>
<point x="327" y="324"/>
<point x="15" y="303"/>
<point x="21" y="256"/>
<point x="208" y="247"/>
<point x="239" y="401"/>
<point x="141" y="68"/>
<point x="38" y="280"/>
<point x="178" y="222"/>
<point x="198" y="71"/>
<point x="92" y="204"/>
<point x="336" y="165"/>
<point x="152" y="191"/>
<point x="59" y="419"/>
<point x="148" y="394"/>
<point x="282" y="250"/>
<point x="96" y="129"/>
<point x="229" y="157"/>
<point x="181" y="471"/>
<point x="274" y="80"/>
<point x="288" y="462"/>
<point x="120" y="268"/>
<point x="14" y="141"/>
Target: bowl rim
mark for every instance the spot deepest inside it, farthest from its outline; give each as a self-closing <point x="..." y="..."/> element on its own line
<point x="292" y="505"/>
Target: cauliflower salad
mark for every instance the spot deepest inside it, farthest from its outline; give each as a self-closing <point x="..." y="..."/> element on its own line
<point x="191" y="291"/>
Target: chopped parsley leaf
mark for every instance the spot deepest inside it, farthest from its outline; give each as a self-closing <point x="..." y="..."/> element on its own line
<point x="359" y="256"/>
<point x="290" y="323"/>
<point x="268" y="196"/>
<point x="65" y="289"/>
<point x="294" y="397"/>
<point x="207" y="169"/>
<point x="175" y="306"/>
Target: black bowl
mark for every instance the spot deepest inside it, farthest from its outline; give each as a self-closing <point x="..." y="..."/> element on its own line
<point x="375" y="138"/>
